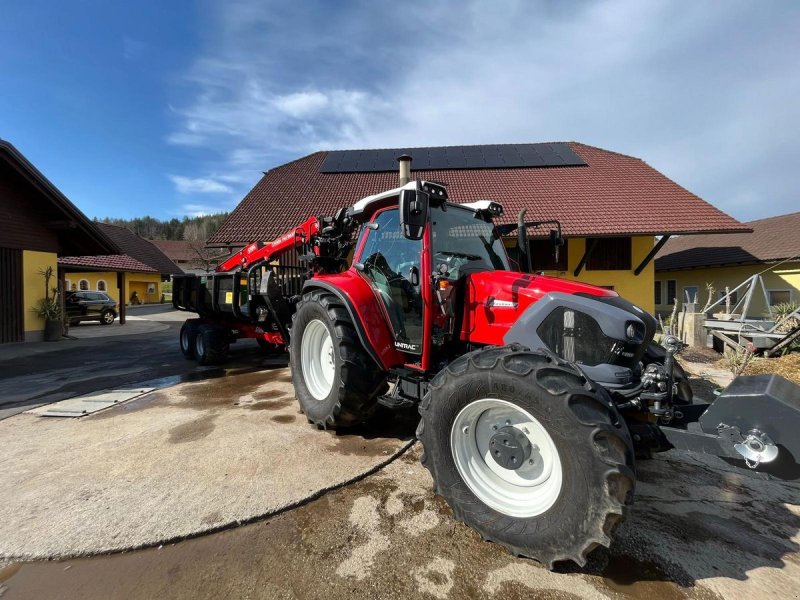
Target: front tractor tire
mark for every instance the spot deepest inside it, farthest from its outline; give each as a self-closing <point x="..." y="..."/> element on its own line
<point x="335" y="380"/>
<point x="528" y="452"/>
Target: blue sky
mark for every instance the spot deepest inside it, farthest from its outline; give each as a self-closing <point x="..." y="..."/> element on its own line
<point x="175" y="108"/>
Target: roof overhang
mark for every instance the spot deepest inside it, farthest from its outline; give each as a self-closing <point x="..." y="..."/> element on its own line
<point x="82" y="237"/>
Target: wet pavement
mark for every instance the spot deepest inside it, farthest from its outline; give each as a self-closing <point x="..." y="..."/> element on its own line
<point x="696" y="532"/>
<point x="699" y="529"/>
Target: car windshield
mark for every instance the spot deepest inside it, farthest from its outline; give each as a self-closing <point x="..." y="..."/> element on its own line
<point x="462" y="240"/>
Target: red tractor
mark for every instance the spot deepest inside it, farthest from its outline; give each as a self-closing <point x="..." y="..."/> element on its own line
<point x="535" y="393"/>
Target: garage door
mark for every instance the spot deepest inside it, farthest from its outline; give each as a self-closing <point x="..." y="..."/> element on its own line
<point x="11" y="324"/>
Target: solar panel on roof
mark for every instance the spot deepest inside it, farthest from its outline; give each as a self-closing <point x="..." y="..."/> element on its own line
<point x="489" y="156"/>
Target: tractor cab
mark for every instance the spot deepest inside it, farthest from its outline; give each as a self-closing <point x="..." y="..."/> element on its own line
<point x="416" y="250"/>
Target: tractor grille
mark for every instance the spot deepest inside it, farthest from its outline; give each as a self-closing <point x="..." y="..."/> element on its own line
<point x="576" y="337"/>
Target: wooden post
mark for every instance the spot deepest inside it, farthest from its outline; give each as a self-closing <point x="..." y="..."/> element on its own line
<point x="62" y="289"/>
<point x="121" y="287"/>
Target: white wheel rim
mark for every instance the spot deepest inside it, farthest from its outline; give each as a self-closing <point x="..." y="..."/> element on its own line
<point x="525" y="492"/>
<point x="185" y="340"/>
<point x="316" y="352"/>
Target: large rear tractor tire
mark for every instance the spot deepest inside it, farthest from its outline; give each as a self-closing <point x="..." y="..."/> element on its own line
<point x="211" y="345"/>
<point x="187" y="338"/>
<point x="528" y="452"/>
<point x="335" y="380"/>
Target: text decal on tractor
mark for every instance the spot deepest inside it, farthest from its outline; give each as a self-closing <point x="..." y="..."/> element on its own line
<point x="535" y="393"/>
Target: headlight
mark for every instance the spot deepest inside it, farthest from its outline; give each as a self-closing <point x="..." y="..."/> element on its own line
<point x="634" y="331"/>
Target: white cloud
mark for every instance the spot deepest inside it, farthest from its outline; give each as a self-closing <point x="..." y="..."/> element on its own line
<point x="703" y="92"/>
<point x="200" y="210"/>
<point x="302" y="104"/>
<point x="198" y="185"/>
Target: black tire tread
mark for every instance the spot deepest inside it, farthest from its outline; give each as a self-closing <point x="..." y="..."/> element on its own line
<point x="613" y="455"/>
<point x="360" y="381"/>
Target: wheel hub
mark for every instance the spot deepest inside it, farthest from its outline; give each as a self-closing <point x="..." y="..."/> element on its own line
<point x="510" y="448"/>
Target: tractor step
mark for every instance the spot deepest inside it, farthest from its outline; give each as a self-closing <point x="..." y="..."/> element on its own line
<point x="396" y="402"/>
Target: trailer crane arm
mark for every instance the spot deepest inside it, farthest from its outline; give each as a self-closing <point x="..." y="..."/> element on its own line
<point x="256" y="251"/>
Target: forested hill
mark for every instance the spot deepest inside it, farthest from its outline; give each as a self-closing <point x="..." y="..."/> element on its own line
<point x="188" y="228"/>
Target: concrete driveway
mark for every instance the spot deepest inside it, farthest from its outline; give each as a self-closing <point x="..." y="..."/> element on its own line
<point x="333" y="516"/>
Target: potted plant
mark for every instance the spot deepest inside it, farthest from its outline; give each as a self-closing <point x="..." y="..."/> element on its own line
<point x="49" y="309"/>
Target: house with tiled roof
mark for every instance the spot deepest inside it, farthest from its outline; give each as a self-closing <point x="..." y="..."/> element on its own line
<point x="39" y="225"/>
<point x="192" y="256"/>
<point x="612" y="208"/>
<point x="139" y="270"/>
<point x="687" y="264"/>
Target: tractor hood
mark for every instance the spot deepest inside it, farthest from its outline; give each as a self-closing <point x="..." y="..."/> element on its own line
<point x="495" y="300"/>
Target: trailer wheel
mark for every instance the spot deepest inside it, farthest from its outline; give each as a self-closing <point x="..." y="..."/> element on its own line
<point x="187" y="339"/>
<point x="335" y="381"/>
<point x="528" y="452"/>
<point x="211" y="345"/>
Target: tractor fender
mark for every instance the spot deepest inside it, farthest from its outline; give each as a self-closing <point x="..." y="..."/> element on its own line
<point x="368" y="319"/>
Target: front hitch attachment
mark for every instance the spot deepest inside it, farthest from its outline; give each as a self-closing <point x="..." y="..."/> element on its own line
<point x="756" y="419"/>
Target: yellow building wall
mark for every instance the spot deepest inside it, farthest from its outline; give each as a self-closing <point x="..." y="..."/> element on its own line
<point x="635" y="288"/>
<point x="72" y="281"/>
<point x="140" y="283"/>
<point x="33" y="286"/>
<point x="783" y="277"/>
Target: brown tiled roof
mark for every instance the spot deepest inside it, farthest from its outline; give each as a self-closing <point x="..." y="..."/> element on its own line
<point x="772" y="239"/>
<point x="613" y="194"/>
<point x="186" y="251"/>
<point x="110" y="262"/>
<point x="178" y="250"/>
<point x="139" y="249"/>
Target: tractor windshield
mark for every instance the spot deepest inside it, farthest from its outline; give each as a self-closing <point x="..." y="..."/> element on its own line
<point x="462" y="242"/>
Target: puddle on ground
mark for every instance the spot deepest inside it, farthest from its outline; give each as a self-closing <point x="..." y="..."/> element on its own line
<point x="634" y="578"/>
<point x="284" y="418"/>
<point x="193" y="430"/>
<point x="225" y="391"/>
<point x="270" y="404"/>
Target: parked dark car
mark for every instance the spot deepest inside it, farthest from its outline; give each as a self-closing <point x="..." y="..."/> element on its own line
<point x="90" y="306"/>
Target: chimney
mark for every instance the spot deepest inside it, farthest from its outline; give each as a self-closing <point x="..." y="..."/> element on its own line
<point x="405" y="168"/>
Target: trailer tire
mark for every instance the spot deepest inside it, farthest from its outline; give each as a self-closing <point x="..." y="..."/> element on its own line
<point x="576" y="478"/>
<point x="335" y="380"/>
<point x="211" y="345"/>
<point x="187" y="337"/>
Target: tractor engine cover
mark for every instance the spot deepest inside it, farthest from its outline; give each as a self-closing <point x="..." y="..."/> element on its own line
<point x="767" y="403"/>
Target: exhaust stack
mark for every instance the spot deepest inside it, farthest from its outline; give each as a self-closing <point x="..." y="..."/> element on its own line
<point x="405" y="168"/>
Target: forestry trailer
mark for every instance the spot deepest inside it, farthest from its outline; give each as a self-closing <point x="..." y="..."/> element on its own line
<point x="535" y="393"/>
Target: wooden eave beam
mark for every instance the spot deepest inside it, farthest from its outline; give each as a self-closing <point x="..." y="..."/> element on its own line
<point x="651" y="254"/>
<point x="585" y="257"/>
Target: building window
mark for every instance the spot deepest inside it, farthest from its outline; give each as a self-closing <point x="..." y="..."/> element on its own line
<point x="101" y="285"/>
<point x="672" y="291"/>
<point x="659" y="294"/>
<point x="609" y="254"/>
<point x="779" y="297"/>
<point x="542" y="258"/>
<point x="691" y="294"/>
<point x="151" y="288"/>
<point x="83" y="285"/>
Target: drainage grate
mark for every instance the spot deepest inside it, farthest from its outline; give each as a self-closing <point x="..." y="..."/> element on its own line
<point x="85" y="405"/>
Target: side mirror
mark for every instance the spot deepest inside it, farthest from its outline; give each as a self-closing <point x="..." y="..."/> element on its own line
<point x="413" y="213"/>
<point x="555" y="238"/>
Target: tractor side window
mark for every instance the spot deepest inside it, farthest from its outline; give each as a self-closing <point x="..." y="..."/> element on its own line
<point x="389" y="260"/>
